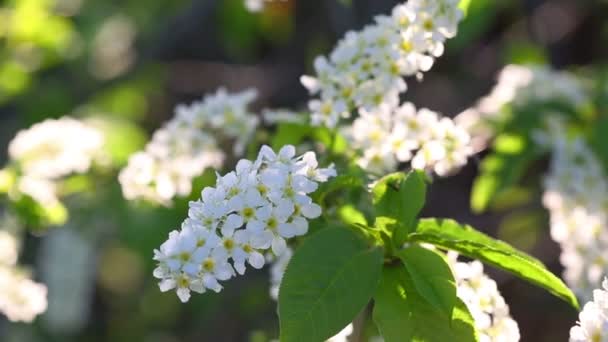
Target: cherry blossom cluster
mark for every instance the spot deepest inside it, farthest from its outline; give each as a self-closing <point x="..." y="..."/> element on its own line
<point x="575" y="195"/>
<point x="592" y="325"/>
<point x="21" y="299"/>
<point x="481" y="296"/>
<point x="250" y="211"/>
<point x="187" y="145"/>
<point x="389" y="135"/>
<point x="517" y="86"/>
<point x="367" y="67"/>
<point x="50" y="150"/>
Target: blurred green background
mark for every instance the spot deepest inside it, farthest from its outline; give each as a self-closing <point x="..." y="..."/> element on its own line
<point x="128" y="63"/>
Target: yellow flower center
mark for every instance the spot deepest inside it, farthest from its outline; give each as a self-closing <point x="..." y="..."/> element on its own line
<point x="208" y="265"/>
<point x="248" y="213"/>
<point x="185" y="257"/>
<point x="183" y="282"/>
<point x="229" y="244"/>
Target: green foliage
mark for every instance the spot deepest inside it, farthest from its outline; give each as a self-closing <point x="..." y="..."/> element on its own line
<point x="398" y="199"/>
<point x="502" y="169"/>
<point x="402" y="313"/>
<point x="597" y="140"/>
<point x="37" y="216"/>
<point x="432" y="277"/>
<point x="329" y="280"/>
<point x="122" y="138"/>
<point x="290" y="134"/>
<point x="466" y="240"/>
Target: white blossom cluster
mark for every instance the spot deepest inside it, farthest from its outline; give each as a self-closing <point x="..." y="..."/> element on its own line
<point x="251" y="210"/>
<point x="367" y="67"/>
<point x="488" y="308"/>
<point x="519" y="85"/>
<point x="187" y="145"/>
<point x="592" y="325"/>
<point x="50" y="150"/>
<point x="21" y="299"/>
<point x="390" y="135"/>
<point x="575" y="195"/>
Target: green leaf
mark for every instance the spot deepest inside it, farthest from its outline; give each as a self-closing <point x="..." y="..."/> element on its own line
<point x="501" y="169"/>
<point x="398" y="199"/>
<point x="344" y="181"/>
<point x="597" y="140"/>
<point x="290" y="134"/>
<point x="431" y="276"/>
<point x="464" y="6"/>
<point x="402" y="314"/>
<point x="474" y="244"/>
<point x="329" y="280"/>
<point x="351" y="215"/>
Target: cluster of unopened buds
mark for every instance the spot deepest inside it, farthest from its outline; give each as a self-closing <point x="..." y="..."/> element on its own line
<point x="367" y="67"/>
<point x="187" y="145"/>
<point x="251" y="211"/>
<point x="391" y="135"/>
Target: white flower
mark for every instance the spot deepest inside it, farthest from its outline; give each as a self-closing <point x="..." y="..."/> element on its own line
<point x="518" y="86"/>
<point x="592" y="325"/>
<point x="481" y="296"/>
<point x="575" y="195"/>
<point x="391" y="135"/>
<point x="366" y="68"/>
<point x="9" y="247"/>
<point x="21" y="299"/>
<point x="343" y="335"/>
<point x="56" y="148"/>
<point x="187" y="145"/>
<point x="251" y="210"/>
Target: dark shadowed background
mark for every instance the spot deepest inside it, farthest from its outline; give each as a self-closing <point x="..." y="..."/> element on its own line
<point x="133" y="61"/>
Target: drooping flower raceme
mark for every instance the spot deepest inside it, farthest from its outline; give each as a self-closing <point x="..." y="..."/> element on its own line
<point x="55" y="148"/>
<point x="50" y="150"/>
<point x="592" y="325"/>
<point x="367" y="67"/>
<point x="575" y="195"/>
<point x="390" y="135"/>
<point x="187" y="145"/>
<point x="251" y="210"/>
<point x="21" y="299"/>
<point x="518" y="86"/>
<point x="481" y="296"/>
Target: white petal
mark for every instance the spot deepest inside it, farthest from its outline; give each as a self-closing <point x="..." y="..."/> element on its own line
<point x="311" y="210"/>
<point x="287" y="230"/>
<point x="183" y="294"/>
<point x="211" y="283"/>
<point x="278" y="245"/>
<point x="256" y="260"/>
<point x="166" y="285"/>
<point x="262" y="240"/>
<point x="239" y="266"/>
<point x="232" y="222"/>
